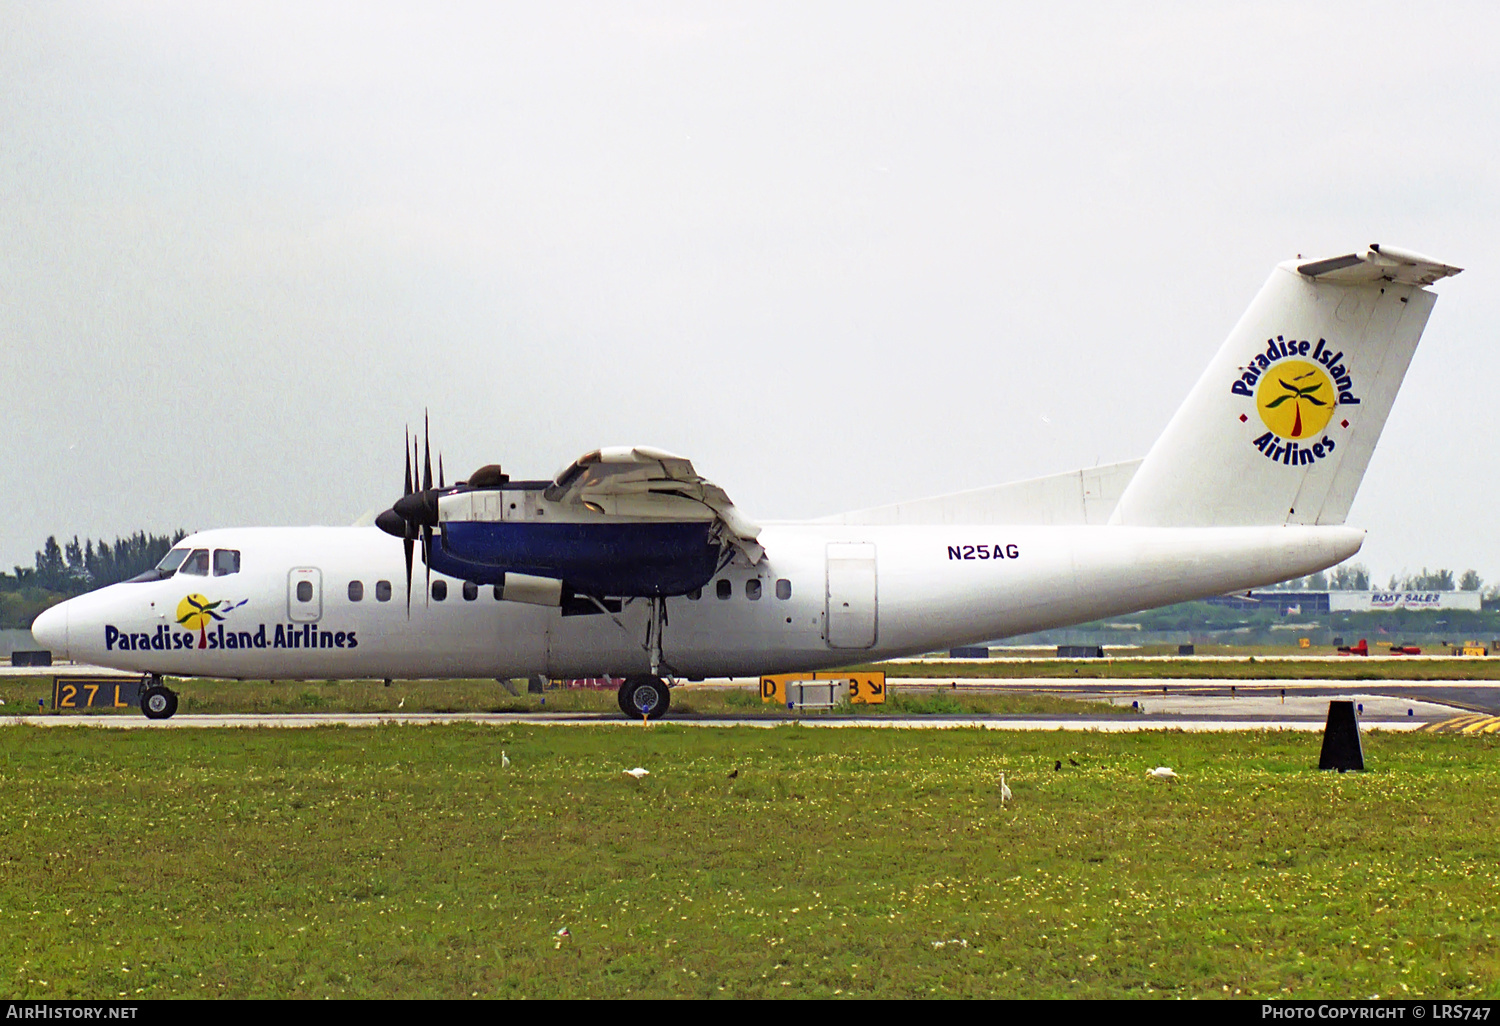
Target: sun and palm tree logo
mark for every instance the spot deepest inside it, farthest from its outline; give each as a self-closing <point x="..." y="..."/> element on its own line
<point x="1295" y="399"/>
<point x="196" y="612"/>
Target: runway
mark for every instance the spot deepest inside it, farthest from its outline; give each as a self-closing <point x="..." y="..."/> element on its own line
<point x="1195" y="705"/>
<point x="1103" y="724"/>
<point x="1234" y="697"/>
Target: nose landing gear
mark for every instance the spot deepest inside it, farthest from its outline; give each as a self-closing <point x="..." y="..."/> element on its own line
<point x="158" y="701"/>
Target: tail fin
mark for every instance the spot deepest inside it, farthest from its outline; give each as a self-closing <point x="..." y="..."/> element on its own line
<point x="1280" y="428"/>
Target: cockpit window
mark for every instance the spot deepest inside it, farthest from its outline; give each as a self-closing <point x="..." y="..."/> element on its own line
<point x="226" y="561"/>
<point x="196" y="563"/>
<point x="171" y="561"/>
<point x="161" y="571"/>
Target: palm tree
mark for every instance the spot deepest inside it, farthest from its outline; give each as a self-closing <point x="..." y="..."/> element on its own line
<point x="1297" y="395"/>
<point x="199" y="613"/>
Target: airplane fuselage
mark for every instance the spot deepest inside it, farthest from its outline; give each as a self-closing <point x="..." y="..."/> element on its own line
<point x="331" y="603"/>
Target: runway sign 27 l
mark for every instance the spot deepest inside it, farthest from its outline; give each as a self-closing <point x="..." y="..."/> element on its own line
<point x="84" y="694"/>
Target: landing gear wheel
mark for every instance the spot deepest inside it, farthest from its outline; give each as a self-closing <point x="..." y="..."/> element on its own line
<point x="645" y="696"/>
<point x="158" y="703"/>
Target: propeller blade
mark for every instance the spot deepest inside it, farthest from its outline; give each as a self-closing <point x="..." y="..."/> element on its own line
<point x="406" y="448"/>
<point x="440" y="471"/>
<point x="426" y="454"/>
<point x="427" y="559"/>
<point x="407" y="543"/>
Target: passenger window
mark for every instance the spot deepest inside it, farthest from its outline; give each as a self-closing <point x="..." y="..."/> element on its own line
<point x="226" y="562"/>
<point x="783" y="589"/>
<point x="196" y="564"/>
<point x="723" y="589"/>
<point x="695" y="594"/>
<point x="304" y="591"/>
<point x="356" y="591"/>
<point x="471" y="591"/>
<point x="439" y="590"/>
<point x="499" y="593"/>
<point x="382" y="591"/>
<point x="752" y="589"/>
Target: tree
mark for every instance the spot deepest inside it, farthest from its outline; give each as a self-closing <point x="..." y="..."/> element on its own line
<point x="74" y="568"/>
<point x="1349" y="577"/>
<point x="1470" y="581"/>
<point x="51" y="571"/>
<point x="1428" y="580"/>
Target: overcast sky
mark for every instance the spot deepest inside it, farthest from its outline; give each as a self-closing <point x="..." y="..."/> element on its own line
<point x="837" y="254"/>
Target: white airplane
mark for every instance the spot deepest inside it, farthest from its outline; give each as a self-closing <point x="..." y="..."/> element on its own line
<point x="630" y="564"/>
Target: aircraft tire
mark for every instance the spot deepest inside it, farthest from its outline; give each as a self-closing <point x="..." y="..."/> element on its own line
<point x="158" y="703"/>
<point x="645" y="696"/>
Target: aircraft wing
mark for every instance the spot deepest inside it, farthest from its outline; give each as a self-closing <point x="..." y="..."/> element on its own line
<point x="646" y="483"/>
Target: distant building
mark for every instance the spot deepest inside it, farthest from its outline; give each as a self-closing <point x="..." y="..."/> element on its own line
<point x="1378" y="601"/>
<point x="1306" y="603"/>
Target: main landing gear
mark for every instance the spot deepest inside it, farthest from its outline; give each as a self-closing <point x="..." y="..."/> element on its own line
<point x="649" y="696"/>
<point x="645" y="696"/>
<point x="158" y="701"/>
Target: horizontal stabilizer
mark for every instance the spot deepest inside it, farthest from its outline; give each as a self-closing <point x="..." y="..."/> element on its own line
<point x="1379" y="263"/>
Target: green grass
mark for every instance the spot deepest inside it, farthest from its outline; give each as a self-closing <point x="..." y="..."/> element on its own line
<point x="20" y="695"/>
<point x="406" y="862"/>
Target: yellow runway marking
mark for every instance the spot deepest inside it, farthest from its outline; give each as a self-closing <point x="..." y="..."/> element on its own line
<point x="1471" y="723"/>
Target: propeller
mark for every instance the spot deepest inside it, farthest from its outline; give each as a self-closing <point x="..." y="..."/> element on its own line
<point x="415" y="514"/>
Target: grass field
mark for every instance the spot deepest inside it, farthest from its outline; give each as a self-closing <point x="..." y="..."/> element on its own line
<point x="407" y="862"/>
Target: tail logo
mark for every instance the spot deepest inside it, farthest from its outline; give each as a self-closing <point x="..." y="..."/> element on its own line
<point x="1295" y="399"/>
<point x="1296" y="385"/>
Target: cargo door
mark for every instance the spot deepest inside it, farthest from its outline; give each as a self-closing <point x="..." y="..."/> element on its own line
<point x="851" y="595"/>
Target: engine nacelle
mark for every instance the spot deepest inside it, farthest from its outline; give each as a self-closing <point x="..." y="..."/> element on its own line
<point x="620" y="559"/>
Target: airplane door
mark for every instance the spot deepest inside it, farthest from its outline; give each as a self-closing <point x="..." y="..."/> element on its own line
<point x="851" y="594"/>
<point x="304" y="594"/>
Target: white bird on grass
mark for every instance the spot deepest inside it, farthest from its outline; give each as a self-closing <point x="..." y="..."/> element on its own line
<point x="504" y="760"/>
<point x="1004" y="790"/>
<point x="1162" y="773"/>
<point x="638" y="773"/>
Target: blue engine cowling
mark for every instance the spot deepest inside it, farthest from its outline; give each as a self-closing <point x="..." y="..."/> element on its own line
<point x="633" y="559"/>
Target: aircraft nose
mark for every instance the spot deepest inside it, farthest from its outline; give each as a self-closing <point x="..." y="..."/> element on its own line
<point x="51" y="630"/>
